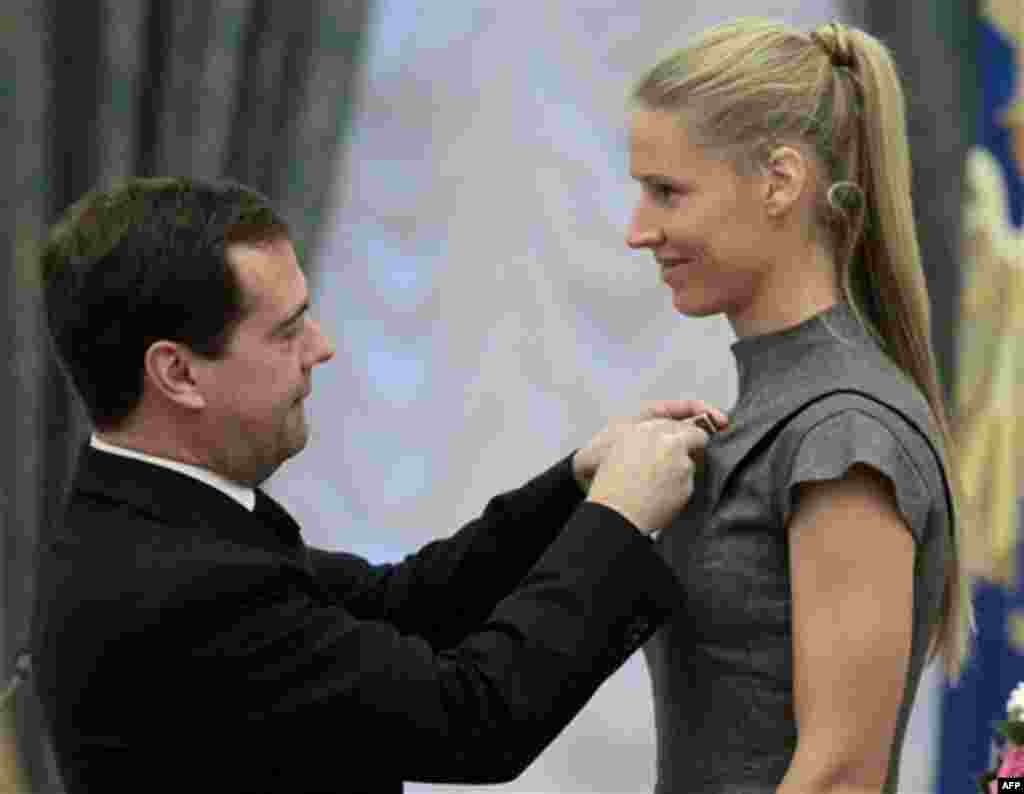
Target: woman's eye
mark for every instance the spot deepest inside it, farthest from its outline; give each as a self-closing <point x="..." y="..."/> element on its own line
<point x="660" y="193"/>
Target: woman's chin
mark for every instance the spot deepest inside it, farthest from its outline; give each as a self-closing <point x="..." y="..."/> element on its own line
<point x="685" y="303"/>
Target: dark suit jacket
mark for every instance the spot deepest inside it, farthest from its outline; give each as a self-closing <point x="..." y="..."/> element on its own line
<point x="182" y="645"/>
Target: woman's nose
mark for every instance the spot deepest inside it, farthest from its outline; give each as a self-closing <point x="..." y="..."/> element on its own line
<point x="640" y="237"/>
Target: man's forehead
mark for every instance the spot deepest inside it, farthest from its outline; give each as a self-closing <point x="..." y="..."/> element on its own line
<point x="268" y="272"/>
<point x="263" y="259"/>
<point x="278" y="246"/>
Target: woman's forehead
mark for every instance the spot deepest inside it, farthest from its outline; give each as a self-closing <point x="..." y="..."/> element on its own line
<point x="659" y="140"/>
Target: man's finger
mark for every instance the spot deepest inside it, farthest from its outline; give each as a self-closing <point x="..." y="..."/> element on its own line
<point x="698" y="439"/>
<point x="684" y="409"/>
<point x="705" y="422"/>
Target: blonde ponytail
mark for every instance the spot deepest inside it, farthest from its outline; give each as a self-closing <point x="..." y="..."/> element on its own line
<point x="891" y="261"/>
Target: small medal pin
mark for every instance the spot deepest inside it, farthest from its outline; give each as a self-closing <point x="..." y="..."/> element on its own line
<point x="705" y="423"/>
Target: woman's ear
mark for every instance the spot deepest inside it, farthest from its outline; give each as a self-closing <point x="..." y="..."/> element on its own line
<point x="786" y="175"/>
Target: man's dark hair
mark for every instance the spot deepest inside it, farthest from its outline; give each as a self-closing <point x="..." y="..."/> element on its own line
<point x="140" y="262"/>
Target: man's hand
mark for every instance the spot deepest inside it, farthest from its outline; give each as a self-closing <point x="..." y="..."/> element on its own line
<point x="647" y="475"/>
<point x="586" y="461"/>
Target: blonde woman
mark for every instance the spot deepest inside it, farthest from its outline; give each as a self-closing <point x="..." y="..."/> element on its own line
<point x="820" y="555"/>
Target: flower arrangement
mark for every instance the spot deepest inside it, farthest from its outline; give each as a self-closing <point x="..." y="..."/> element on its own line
<point x="1011" y="762"/>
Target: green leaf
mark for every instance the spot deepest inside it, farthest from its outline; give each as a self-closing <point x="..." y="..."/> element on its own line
<point x="1011" y="730"/>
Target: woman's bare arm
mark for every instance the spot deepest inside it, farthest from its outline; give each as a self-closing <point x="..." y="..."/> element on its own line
<point x="851" y="568"/>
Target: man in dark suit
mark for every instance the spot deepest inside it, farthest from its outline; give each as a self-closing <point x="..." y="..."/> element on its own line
<point x="186" y="639"/>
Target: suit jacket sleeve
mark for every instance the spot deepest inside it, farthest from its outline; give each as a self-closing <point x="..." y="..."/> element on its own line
<point x="450" y="586"/>
<point x="295" y="678"/>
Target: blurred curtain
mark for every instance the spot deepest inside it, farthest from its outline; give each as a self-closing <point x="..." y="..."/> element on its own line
<point x="965" y="84"/>
<point x="96" y="90"/>
<point x="990" y="393"/>
<point x="937" y="48"/>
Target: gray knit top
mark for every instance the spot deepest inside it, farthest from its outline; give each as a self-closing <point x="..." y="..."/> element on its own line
<point x="813" y="400"/>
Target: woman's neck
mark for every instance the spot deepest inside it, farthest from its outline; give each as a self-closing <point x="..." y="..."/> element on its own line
<point x="797" y="288"/>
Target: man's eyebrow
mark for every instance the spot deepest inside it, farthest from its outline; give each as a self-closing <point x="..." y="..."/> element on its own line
<point x="295" y="315"/>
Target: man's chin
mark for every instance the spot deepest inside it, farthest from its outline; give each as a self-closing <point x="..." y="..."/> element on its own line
<point x="297" y="439"/>
<point x="299" y="445"/>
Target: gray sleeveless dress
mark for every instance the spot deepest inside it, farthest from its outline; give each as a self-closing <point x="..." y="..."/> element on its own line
<point x="813" y="400"/>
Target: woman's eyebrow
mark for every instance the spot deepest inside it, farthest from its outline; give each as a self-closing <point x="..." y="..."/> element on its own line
<point x="657" y="179"/>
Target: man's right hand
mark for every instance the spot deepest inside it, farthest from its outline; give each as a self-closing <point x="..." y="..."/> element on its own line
<point x="647" y="476"/>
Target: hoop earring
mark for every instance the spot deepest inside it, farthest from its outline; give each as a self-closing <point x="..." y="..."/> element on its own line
<point x="845" y="196"/>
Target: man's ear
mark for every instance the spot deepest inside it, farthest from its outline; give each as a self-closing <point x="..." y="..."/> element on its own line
<point x="171" y="370"/>
<point x="786" y="176"/>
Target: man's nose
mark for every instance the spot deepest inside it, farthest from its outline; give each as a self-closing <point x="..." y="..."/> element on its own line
<point x="323" y="347"/>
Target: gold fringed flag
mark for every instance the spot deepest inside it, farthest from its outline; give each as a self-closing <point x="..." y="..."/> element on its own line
<point x="990" y="383"/>
<point x="990" y="399"/>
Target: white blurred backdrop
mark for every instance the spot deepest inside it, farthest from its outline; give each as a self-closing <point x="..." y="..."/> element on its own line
<point x="487" y="314"/>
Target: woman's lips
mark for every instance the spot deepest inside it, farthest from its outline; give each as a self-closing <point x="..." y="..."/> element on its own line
<point x="672" y="271"/>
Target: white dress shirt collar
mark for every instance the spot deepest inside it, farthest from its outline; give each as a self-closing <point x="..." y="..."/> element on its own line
<point x="242" y="494"/>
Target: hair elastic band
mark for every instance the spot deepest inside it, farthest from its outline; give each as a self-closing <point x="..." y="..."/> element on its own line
<point x="841" y="57"/>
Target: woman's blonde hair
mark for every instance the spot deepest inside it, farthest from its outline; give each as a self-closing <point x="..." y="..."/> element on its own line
<point x="747" y="86"/>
